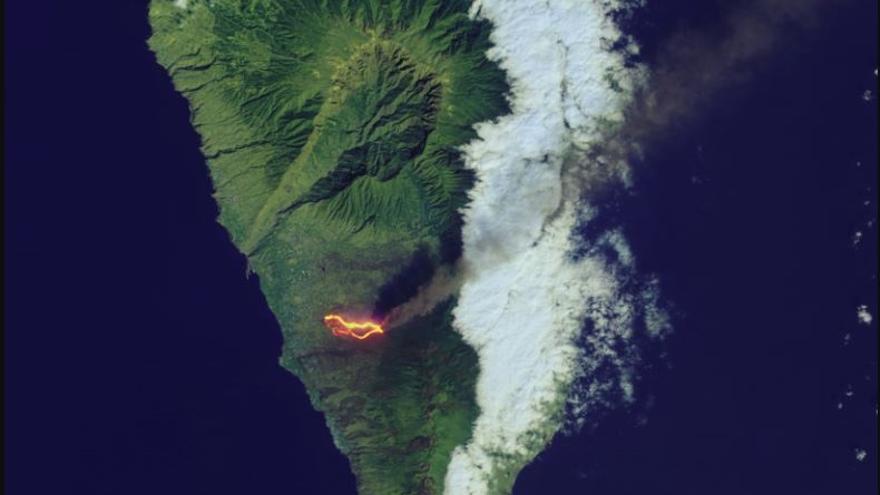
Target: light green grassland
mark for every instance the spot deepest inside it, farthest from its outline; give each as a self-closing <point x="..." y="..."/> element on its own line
<point x="331" y="131"/>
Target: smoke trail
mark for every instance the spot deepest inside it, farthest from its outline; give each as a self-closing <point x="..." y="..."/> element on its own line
<point x="554" y="316"/>
<point x="696" y="64"/>
<point x="530" y="286"/>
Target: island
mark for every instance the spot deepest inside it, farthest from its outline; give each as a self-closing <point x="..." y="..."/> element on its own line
<point x="332" y="134"/>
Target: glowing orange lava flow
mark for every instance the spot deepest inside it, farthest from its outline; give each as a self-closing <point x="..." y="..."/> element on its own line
<point x="357" y="329"/>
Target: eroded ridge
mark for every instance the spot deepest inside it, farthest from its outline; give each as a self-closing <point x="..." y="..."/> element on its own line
<point x="333" y="134"/>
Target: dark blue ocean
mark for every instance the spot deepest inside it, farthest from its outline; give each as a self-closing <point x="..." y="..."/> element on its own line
<point x="139" y="358"/>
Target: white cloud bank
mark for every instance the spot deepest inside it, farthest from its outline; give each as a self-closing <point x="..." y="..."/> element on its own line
<point x="530" y="286"/>
<point x="864" y="315"/>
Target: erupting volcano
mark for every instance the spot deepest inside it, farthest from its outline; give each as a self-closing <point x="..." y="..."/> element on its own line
<point x="357" y="329"/>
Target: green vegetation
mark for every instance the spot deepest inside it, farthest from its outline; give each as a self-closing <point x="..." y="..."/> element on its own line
<point x="331" y="131"/>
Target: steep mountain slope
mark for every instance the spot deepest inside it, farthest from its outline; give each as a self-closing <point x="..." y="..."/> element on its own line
<point x="331" y="131"/>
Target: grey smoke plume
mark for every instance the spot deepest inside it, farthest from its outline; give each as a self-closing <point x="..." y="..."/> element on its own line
<point x="695" y="65"/>
<point x="579" y="114"/>
<point x="444" y="284"/>
<point x="691" y="70"/>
